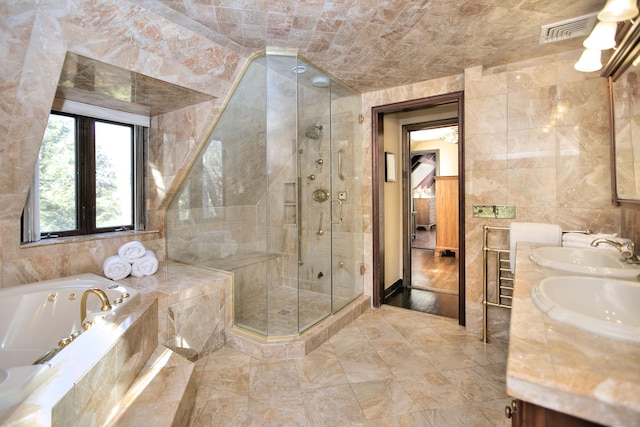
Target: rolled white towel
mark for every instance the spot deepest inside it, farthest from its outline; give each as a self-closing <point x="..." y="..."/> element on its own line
<point x="116" y="268"/>
<point x="146" y="265"/>
<point x="132" y="250"/>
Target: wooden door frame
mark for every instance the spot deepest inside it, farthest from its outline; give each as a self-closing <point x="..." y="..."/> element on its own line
<point x="377" y="173"/>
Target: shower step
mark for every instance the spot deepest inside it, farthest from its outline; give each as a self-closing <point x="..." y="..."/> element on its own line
<point x="292" y="347"/>
<point x="163" y="394"/>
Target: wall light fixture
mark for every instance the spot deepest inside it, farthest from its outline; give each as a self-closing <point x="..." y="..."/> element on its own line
<point x="603" y="35"/>
<point x="618" y="10"/>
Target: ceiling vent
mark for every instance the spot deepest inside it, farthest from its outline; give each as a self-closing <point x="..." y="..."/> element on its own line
<point x="568" y="29"/>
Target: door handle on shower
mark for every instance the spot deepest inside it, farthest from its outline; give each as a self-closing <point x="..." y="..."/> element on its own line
<point x="320" y="231"/>
<point x="340" y="175"/>
<point x="339" y="221"/>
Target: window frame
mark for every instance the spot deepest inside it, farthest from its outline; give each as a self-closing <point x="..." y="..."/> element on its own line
<point x="86" y="182"/>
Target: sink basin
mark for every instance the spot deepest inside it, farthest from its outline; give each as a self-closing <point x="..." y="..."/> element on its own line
<point x="591" y="261"/>
<point x="603" y="306"/>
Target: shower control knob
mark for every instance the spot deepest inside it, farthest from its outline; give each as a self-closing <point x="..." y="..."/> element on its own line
<point x="320" y="161"/>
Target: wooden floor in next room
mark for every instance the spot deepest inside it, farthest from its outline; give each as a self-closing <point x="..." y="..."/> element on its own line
<point x="434" y="280"/>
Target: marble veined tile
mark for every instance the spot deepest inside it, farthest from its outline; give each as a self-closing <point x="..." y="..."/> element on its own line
<point x="372" y="372"/>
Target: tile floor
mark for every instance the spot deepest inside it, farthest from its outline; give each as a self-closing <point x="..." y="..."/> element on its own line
<point x="389" y="367"/>
<point x="283" y="317"/>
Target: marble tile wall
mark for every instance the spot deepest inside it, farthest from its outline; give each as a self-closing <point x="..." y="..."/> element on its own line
<point x="536" y="136"/>
<point x="35" y="37"/>
<point x="97" y="393"/>
<point x="194" y="307"/>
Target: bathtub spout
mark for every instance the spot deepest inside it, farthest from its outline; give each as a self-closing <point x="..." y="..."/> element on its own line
<point x="46" y="357"/>
<point x="83" y="302"/>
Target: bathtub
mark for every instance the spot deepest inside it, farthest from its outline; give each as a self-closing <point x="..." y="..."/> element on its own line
<point x="35" y="318"/>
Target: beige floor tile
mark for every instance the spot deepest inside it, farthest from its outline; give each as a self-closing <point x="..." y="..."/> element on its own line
<point x="281" y="409"/>
<point x="273" y="378"/>
<point x="224" y="378"/>
<point x="315" y="372"/>
<point x="365" y="366"/>
<point x="390" y="367"/>
<point x="220" y="412"/>
<point x="380" y="399"/>
<point x="407" y="363"/>
<point x="333" y="406"/>
<point x="461" y="416"/>
<point x="433" y="391"/>
<point x="414" y="419"/>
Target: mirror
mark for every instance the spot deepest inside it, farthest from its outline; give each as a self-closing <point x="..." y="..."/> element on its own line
<point x="624" y="96"/>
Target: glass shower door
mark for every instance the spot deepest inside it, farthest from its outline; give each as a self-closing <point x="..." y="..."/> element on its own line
<point x="347" y="223"/>
<point x="315" y="172"/>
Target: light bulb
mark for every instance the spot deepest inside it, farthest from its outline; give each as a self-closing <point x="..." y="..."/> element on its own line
<point x="589" y="61"/>
<point x="602" y="37"/>
<point x="618" y="10"/>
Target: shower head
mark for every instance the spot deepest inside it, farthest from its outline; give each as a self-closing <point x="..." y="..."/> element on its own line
<point x="314" y="131"/>
<point x="321" y="81"/>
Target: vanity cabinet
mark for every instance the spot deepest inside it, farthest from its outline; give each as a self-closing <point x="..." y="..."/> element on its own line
<point x="530" y="415"/>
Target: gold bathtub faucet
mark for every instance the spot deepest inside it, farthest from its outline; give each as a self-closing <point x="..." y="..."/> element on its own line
<point x="83" y="301"/>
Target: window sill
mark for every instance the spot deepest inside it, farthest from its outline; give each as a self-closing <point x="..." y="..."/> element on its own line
<point x="85" y="238"/>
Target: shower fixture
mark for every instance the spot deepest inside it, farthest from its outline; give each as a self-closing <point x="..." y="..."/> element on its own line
<point x="298" y="69"/>
<point x="320" y="81"/>
<point x="311" y="178"/>
<point x="314" y="132"/>
<point x="320" y="231"/>
<point x="320" y="195"/>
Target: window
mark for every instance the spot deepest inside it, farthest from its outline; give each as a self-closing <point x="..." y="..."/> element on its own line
<point x="87" y="178"/>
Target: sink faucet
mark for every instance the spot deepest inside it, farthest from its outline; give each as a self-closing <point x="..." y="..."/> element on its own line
<point x="83" y="301"/>
<point x="626" y="249"/>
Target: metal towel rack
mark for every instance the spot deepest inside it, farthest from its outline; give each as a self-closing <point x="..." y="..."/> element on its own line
<point x="504" y="278"/>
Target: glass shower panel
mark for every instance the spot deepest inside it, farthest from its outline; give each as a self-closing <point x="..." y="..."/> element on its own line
<point x="347" y="225"/>
<point x="282" y="209"/>
<point x="216" y="219"/>
<point x="315" y="166"/>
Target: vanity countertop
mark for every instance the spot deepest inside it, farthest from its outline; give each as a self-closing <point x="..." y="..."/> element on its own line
<point x="566" y="369"/>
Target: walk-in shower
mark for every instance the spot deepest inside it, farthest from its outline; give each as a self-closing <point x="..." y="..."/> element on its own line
<point x="275" y="196"/>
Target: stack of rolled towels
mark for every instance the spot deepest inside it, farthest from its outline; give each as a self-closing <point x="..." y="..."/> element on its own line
<point x="582" y="240"/>
<point x="132" y="259"/>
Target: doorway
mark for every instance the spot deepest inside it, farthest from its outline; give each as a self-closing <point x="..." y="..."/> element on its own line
<point x="423" y="167"/>
<point x="430" y="271"/>
<point x="419" y="228"/>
